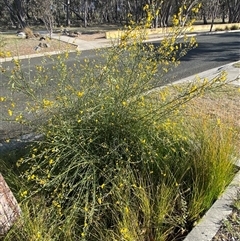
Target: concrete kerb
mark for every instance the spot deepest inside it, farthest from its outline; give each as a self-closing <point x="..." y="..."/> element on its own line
<point x="233" y="74"/>
<point x="210" y="223"/>
<point x="34" y="55"/>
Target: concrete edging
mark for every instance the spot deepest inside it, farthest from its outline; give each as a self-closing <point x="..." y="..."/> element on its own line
<point x="210" y="223"/>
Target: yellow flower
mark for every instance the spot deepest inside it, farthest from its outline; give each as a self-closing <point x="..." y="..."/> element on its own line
<point x="56" y="204"/>
<point x="19" y="117"/>
<point x="10" y="113"/>
<point x="124" y="103"/>
<point x="2" y="98"/>
<point x="23" y="194"/>
<point x="123" y="230"/>
<point x="143" y="141"/>
<point x="146" y="7"/>
<point x="51" y="161"/>
<point x="32" y="177"/>
<point x="47" y="103"/>
<point x="38" y="235"/>
<point x="42" y="182"/>
<point x="80" y="94"/>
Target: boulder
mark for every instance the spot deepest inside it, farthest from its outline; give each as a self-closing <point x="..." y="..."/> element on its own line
<point x="42" y="38"/>
<point x="37" y="48"/>
<point x="21" y="35"/>
<point x="46" y="45"/>
<point x="72" y="34"/>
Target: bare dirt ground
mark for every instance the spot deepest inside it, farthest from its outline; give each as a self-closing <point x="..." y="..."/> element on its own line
<point x="15" y="46"/>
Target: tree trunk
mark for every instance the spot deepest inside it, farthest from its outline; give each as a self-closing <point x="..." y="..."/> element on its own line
<point x="16" y="11"/>
<point x="85" y="13"/>
<point x="9" y="208"/>
<point x="204" y="19"/>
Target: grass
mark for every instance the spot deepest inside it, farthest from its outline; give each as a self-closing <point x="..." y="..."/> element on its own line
<point x="118" y="161"/>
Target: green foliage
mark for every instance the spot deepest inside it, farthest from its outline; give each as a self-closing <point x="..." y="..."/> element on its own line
<point x="234" y="27"/>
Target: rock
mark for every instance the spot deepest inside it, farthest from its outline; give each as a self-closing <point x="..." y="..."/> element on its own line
<point x="9" y="208"/>
<point x="65" y="31"/>
<point x="21" y="35"/>
<point x="72" y="34"/>
<point x="78" y="33"/>
<point x="45" y="45"/>
<point x="37" y="48"/>
<point x="36" y="35"/>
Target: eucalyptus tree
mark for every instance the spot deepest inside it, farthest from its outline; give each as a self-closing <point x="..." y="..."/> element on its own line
<point x="233" y="11"/>
<point x="16" y="9"/>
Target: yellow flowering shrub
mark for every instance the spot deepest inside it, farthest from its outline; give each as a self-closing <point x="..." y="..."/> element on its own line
<point x="114" y="159"/>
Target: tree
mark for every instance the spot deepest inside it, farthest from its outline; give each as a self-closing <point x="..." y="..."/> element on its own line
<point x="214" y="9"/>
<point x="46" y="11"/>
<point x="17" y="12"/>
<point x="234" y="11"/>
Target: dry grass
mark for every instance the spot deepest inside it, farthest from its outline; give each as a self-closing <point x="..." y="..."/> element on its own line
<point x="223" y="104"/>
<point x="18" y="46"/>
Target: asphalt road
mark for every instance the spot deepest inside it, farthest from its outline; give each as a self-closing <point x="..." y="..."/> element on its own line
<point x="213" y="51"/>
